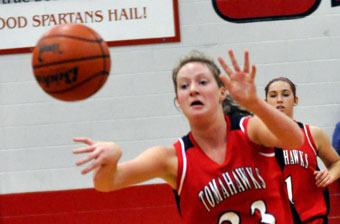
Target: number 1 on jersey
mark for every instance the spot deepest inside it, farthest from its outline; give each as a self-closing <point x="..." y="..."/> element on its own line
<point x="289" y="185"/>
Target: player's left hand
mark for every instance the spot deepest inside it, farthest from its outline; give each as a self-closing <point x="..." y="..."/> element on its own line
<point x="240" y="82"/>
<point x="323" y="178"/>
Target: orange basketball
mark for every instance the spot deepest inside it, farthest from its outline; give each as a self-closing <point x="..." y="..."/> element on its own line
<point x="71" y="62"/>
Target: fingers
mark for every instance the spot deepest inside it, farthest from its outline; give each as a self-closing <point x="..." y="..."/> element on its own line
<point x="96" y="154"/>
<point x="319" y="176"/>
<point x="87" y="158"/>
<point x="324" y="182"/>
<point x="322" y="178"/>
<point x="84" y="149"/>
<point x="225" y="67"/>
<point x="234" y="61"/>
<point x="94" y="165"/>
<point x="246" y="61"/>
<point x="92" y="158"/>
<point x="226" y="81"/>
<point x="252" y="73"/>
<point x="246" y="66"/>
<point x="84" y="140"/>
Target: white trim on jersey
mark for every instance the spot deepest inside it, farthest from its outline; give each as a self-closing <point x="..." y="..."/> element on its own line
<point x="308" y="139"/>
<point x="184" y="166"/>
<point x="241" y="124"/>
<point x="272" y="154"/>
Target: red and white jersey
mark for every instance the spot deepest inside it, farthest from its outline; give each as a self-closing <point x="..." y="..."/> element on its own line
<point x="247" y="188"/>
<point x="309" y="201"/>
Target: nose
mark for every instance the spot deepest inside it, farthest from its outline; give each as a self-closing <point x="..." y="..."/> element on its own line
<point x="193" y="90"/>
<point x="279" y="98"/>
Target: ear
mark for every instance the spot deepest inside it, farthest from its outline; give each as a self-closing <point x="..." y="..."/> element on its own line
<point x="223" y="93"/>
<point x="296" y="101"/>
<point x="176" y="102"/>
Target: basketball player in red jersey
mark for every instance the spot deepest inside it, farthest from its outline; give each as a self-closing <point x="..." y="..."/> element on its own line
<point x="305" y="182"/>
<point x="218" y="169"/>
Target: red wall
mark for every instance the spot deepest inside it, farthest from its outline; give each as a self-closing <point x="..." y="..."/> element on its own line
<point x="146" y="204"/>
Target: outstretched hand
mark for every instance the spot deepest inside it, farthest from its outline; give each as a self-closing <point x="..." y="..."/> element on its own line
<point x="97" y="154"/>
<point x="240" y="82"/>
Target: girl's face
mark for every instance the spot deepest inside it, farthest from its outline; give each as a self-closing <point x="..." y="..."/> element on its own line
<point x="280" y="95"/>
<point x="197" y="91"/>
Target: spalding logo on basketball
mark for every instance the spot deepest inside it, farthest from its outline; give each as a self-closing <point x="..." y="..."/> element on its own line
<point x="71" y="62"/>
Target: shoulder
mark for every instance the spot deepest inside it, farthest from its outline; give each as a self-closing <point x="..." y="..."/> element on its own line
<point x="315" y="129"/>
<point x="317" y="133"/>
<point x="170" y="156"/>
<point x="160" y="157"/>
<point x="325" y="150"/>
<point x="321" y="138"/>
<point x="164" y="160"/>
<point x="162" y="153"/>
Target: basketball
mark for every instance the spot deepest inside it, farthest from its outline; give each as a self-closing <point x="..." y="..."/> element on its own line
<point x="71" y="62"/>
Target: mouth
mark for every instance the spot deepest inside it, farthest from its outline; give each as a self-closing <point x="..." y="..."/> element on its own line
<point x="280" y="107"/>
<point x="196" y="103"/>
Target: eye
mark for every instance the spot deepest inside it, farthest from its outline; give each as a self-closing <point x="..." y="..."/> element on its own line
<point x="286" y="93"/>
<point x="203" y="82"/>
<point x="183" y="86"/>
<point x="272" y="95"/>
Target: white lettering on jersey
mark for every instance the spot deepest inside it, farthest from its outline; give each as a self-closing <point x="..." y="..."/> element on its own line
<point x="295" y="157"/>
<point x="229" y="184"/>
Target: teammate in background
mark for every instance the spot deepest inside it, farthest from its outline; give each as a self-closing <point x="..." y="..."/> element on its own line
<point x="306" y="184"/>
<point x="336" y="138"/>
<point x="219" y="169"/>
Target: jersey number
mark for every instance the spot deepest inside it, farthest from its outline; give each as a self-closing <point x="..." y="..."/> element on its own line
<point x="234" y="218"/>
<point x="289" y="185"/>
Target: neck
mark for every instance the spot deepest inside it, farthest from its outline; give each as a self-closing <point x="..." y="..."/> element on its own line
<point x="211" y="131"/>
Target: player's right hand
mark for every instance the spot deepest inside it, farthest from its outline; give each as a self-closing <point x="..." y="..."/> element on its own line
<point x="97" y="154"/>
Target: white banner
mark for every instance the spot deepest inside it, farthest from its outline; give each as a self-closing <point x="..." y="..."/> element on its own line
<point x="119" y="22"/>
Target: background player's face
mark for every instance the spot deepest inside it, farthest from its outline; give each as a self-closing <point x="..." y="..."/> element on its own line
<point x="197" y="90"/>
<point x="280" y="95"/>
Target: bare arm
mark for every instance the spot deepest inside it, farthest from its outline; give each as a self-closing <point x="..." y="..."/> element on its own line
<point x="269" y="127"/>
<point x="109" y="175"/>
<point x="328" y="156"/>
<point x="273" y="128"/>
